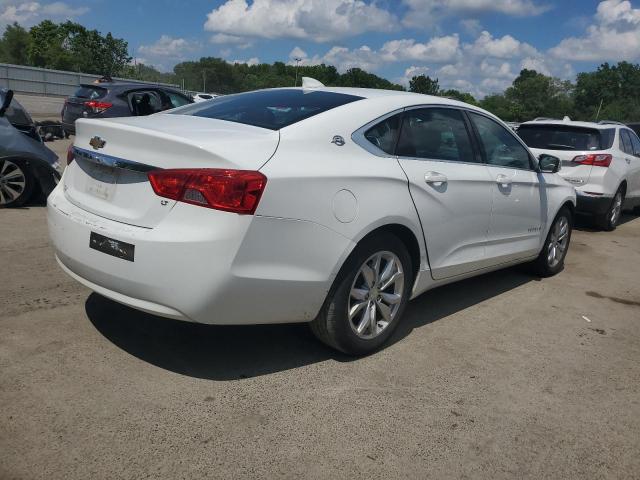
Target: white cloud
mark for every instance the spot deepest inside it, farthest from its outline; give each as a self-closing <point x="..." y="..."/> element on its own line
<point x="410" y="72"/>
<point x="428" y="12"/>
<point x="438" y="49"/>
<point x="614" y="36"/>
<point x="169" y="47"/>
<point x="471" y="26"/>
<point x="319" y="20"/>
<point x="505" y="47"/>
<point x="28" y="13"/>
<point x="251" y="61"/>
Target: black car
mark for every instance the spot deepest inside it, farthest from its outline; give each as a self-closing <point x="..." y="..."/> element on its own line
<point x="27" y="166"/>
<point x="118" y="99"/>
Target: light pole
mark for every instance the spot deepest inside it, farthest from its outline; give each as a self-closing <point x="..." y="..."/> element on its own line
<point x="204" y="81"/>
<point x="297" y="62"/>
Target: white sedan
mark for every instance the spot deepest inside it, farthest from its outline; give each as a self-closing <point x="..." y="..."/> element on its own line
<point x="333" y="206"/>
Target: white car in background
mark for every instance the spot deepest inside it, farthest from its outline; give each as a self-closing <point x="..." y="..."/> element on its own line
<point x="333" y="206"/>
<point x="602" y="160"/>
<point x="203" y="97"/>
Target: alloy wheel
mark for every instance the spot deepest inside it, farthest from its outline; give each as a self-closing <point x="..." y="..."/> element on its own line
<point x="13" y="182"/>
<point x="616" y="209"/>
<point x="376" y="295"/>
<point x="558" y="242"/>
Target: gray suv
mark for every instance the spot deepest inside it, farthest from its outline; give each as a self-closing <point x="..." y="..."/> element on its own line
<point x="27" y="167"/>
<point x="118" y="99"/>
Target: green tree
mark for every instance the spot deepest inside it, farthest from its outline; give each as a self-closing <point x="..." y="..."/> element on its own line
<point x="424" y="84"/>
<point x="499" y="105"/>
<point x="458" y="95"/>
<point x="611" y="92"/>
<point x="13" y="45"/>
<point x="533" y="94"/>
<point x="70" y="46"/>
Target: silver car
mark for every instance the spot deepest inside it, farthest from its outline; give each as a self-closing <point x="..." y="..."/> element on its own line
<point x="27" y="166"/>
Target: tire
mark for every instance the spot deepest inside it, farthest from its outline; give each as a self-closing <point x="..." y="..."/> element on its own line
<point x="351" y="289"/>
<point x="550" y="261"/>
<point x="16" y="183"/>
<point x="609" y="220"/>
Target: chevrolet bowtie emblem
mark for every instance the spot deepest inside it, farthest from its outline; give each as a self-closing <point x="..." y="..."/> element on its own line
<point x="97" y="143"/>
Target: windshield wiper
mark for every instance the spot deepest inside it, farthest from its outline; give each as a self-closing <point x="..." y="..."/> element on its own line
<point x="559" y="146"/>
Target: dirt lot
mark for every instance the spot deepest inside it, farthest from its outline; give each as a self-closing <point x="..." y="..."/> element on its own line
<point x="496" y="377"/>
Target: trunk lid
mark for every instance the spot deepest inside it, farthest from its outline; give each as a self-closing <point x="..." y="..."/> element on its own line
<point x="572" y="172"/>
<point x="160" y="141"/>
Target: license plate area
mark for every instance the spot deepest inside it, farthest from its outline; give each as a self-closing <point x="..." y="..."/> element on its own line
<point x="110" y="246"/>
<point x="101" y="181"/>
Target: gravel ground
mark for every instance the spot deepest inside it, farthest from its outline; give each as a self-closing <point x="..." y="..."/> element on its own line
<point x="503" y="376"/>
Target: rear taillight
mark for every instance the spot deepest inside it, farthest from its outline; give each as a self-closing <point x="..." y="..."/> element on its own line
<point x="70" y="154"/>
<point x="595" y="159"/>
<point x="237" y="191"/>
<point x="97" y="107"/>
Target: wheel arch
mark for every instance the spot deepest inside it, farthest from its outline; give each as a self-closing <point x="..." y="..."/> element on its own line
<point x="407" y="235"/>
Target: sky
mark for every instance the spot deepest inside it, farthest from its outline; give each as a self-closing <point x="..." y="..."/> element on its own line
<point x="478" y="46"/>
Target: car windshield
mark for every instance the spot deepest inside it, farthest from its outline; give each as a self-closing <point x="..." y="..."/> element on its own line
<point x="272" y="109"/>
<point x="16" y="114"/>
<point x="90" y="92"/>
<point x="565" y="137"/>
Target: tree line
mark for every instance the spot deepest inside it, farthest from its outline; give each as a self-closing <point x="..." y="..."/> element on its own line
<point x="611" y="92"/>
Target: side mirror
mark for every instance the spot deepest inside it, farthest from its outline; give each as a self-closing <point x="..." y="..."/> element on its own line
<point x="6" y="102"/>
<point x="548" y="163"/>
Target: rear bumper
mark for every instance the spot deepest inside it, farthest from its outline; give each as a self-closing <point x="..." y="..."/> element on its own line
<point x="592" y="204"/>
<point x="203" y="265"/>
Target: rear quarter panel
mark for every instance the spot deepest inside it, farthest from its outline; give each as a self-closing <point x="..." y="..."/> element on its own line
<point x="342" y="188"/>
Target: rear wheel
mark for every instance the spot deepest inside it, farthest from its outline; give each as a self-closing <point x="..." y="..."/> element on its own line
<point x="609" y="220"/>
<point x="551" y="258"/>
<point x="368" y="297"/>
<point x="16" y="183"/>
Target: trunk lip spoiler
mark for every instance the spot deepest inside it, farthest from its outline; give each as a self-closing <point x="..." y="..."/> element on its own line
<point x="111" y="161"/>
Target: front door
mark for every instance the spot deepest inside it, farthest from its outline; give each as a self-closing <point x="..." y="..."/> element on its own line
<point x="450" y="187"/>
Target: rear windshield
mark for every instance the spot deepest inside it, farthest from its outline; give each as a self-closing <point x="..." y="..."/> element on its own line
<point x="272" y="109"/>
<point x="565" y="137"/>
<point x="90" y="92"/>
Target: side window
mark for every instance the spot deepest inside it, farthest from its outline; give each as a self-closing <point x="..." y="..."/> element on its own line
<point x="435" y="133"/>
<point x="499" y="145"/>
<point x="635" y="143"/>
<point x="174" y="100"/>
<point x="384" y="134"/>
<point x="144" y="102"/>
<point x="625" y="142"/>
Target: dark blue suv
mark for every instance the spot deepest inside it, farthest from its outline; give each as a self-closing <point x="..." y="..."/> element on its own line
<point x="118" y="99"/>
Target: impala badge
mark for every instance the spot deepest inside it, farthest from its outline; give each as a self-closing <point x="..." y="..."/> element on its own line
<point x="97" y="143"/>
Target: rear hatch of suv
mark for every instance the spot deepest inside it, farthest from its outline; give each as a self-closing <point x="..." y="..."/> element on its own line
<point x="578" y="147"/>
<point x="140" y="145"/>
<point x="88" y="99"/>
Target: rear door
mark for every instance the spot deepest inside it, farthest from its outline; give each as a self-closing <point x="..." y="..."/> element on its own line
<point x="450" y="187"/>
<point x="517" y="217"/>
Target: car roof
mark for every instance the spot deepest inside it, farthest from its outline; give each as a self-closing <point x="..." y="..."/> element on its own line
<point x="127" y="85"/>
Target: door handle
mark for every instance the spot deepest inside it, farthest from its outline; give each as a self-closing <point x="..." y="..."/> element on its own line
<point x="435" y="177"/>
<point x="503" y="180"/>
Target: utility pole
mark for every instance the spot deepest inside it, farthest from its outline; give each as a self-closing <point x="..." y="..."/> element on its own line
<point x="204" y="81"/>
<point x="297" y="62"/>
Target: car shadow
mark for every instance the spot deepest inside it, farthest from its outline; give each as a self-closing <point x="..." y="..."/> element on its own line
<point x="584" y="223"/>
<point x="236" y="352"/>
